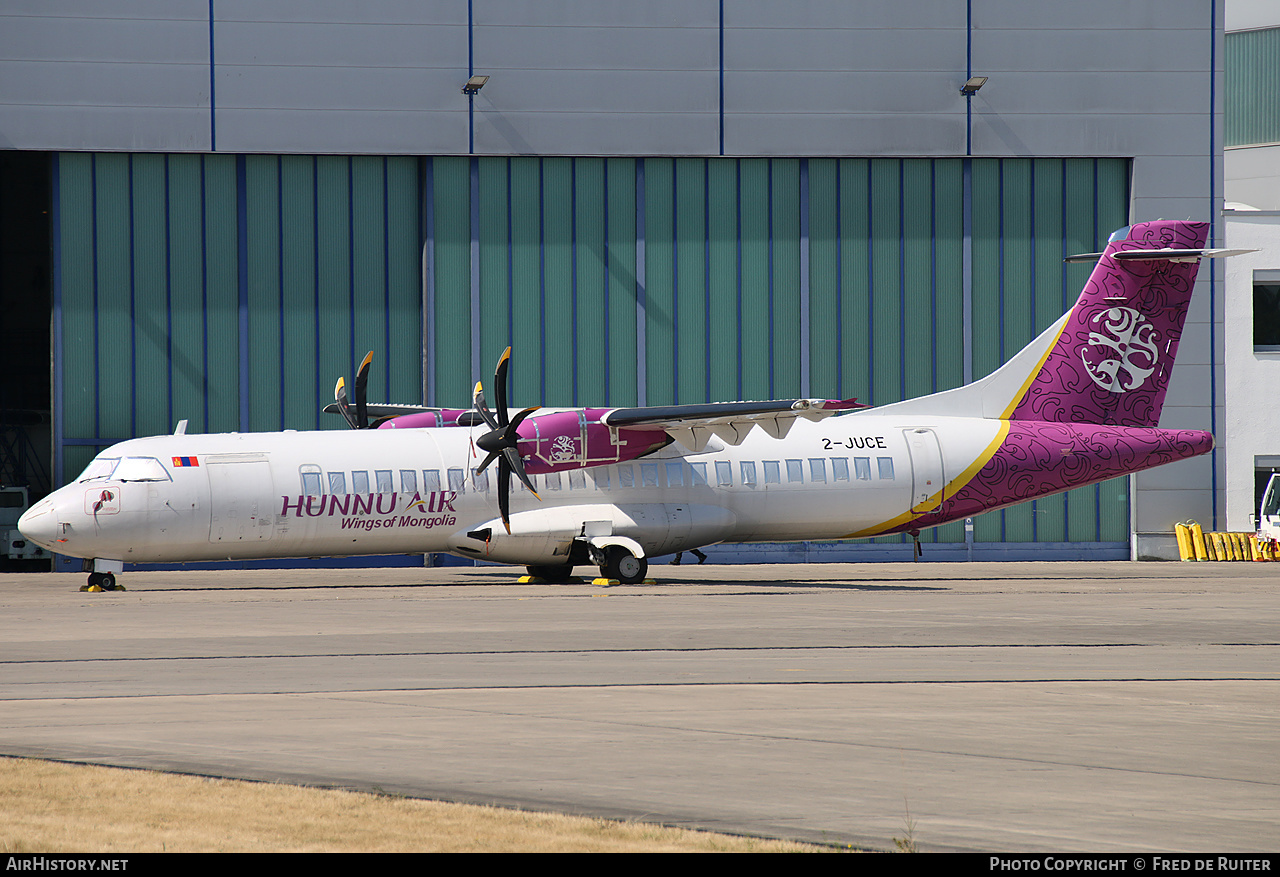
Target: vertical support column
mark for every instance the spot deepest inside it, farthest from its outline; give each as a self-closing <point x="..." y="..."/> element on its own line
<point x="474" y="213"/>
<point x="804" y="277"/>
<point x="642" y="377"/>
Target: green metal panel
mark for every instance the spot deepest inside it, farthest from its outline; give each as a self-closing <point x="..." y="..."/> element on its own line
<point x="1251" y="111"/>
<point x="753" y="267"/>
<point x="187" y="291"/>
<point x="495" y="298"/>
<point x="222" y="296"/>
<point x="526" y="285"/>
<point x="855" y="285"/>
<point x="150" y="298"/>
<point x="948" y="263"/>
<point x="558" y="350"/>
<point x="79" y="368"/>
<point x="591" y="300"/>
<point x="918" y="320"/>
<point x="824" y="279"/>
<point x="368" y="284"/>
<point x="621" y="241"/>
<point x="722" y="277"/>
<point x="299" y="338"/>
<point x="262" y="242"/>
<point x="784" y="244"/>
<point x="113" y="298"/>
<point x="660" y="280"/>
<point x="404" y="280"/>
<point x="690" y="309"/>
<point x="451" y="346"/>
<point x="886" y="280"/>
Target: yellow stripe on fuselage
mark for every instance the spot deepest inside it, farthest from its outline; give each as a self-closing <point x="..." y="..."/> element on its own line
<point x="951" y="488"/>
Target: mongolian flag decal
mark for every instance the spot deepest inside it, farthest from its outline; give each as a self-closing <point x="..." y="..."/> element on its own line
<point x="179" y="462"/>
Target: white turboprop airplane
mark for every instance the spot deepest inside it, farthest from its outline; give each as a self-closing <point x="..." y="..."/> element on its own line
<point x="613" y="487"/>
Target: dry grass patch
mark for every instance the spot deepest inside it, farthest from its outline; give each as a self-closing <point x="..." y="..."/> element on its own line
<point x="53" y="807"/>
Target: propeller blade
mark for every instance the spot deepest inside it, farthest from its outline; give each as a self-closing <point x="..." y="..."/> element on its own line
<point x="503" y="438"/>
<point x="477" y="399"/>
<point x="362" y="385"/>
<point x="512" y="457"/>
<point x="500" y="385"/>
<point x="493" y="455"/>
<point x="344" y="407"/>
<point x="504" y="496"/>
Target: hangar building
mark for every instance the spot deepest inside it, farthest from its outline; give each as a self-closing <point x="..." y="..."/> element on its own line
<point x="212" y="208"/>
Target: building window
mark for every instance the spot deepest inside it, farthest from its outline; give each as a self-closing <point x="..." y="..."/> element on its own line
<point x="1266" y="310"/>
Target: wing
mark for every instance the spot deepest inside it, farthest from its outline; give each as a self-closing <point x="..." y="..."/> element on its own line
<point x="694" y="425"/>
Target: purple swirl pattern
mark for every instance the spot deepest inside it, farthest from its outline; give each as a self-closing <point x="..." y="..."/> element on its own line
<point x="1038" y="459"/>
<point x="1111" y="364"/>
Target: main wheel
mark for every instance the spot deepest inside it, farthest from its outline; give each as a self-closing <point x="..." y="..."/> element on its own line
<point x="621" y="564"/>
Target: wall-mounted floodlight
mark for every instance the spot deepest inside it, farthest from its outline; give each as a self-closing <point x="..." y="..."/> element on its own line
<point x="474" y="84"/>
<point x="970" y="88"/>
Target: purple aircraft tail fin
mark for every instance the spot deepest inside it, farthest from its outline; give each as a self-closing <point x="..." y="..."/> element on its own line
<point x="1112" y="360"/>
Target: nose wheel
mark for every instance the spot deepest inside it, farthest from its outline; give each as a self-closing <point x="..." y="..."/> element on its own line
<point x="103" y="581"/>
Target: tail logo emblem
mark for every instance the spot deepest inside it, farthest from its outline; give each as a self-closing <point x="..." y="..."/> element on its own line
<point x="1121" y="353"/>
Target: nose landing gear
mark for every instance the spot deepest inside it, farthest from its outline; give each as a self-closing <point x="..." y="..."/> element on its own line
<point x="102" y="581"/>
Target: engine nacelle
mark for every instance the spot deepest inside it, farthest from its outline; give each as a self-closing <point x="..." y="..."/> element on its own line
<point x="576" y="438"/>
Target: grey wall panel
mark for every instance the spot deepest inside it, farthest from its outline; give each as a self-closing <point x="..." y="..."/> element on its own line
<point x="598" y="78"/>
<point x="518" y="134"/>
<point x="838" y="134"/>
<point x="384" y="78"/>
<point x="838" y="82"/>
<point x="109" y="75"/>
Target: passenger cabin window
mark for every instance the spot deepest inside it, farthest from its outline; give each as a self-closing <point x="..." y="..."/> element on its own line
<point x="675" y="473"/>
<point x="383" y="480"/>
<point x="431" y="480"/>
<point x="772" y="472"/>
<point x="817" y="470"/>
<point x="311" y="485"/>
<point x="360" y="482"/>
<point x="626" y="476"/>
<point x="577" y="479"/>
<point x="862" y="468"/>
<point x="337" y="483"/>
<point x="552" y="480"/>
<point x="697" y="474"/>
<point x="456" y="480"/>
<point x="601" y="478"/>
<point x="724" y="473"/>
<point x="795" y="472"/>
<point x="886" y="468"/>
<point x="408" y="481"/>
<point x="648" y="474"/>
<point x="480" y="482"/>
<point x="748" y="473"/>
<point x="840" y="468"/>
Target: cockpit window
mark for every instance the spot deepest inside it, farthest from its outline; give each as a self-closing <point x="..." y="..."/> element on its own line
<point x="101" y="467"/>
<point x="140" y="469"/>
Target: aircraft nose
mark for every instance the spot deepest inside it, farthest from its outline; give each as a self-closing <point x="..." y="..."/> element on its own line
<point x="40" y="524"/>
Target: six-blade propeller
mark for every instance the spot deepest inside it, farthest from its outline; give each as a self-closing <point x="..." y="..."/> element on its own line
<point x="502" y="440"/>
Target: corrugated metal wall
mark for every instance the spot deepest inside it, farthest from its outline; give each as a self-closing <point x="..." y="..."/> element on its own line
<point x="1252" y="99"/>
<point x="233" y="290"/>
<point x="229" y="291"/>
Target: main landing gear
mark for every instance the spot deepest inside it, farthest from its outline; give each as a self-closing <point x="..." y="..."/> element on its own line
<point x="620" y="562"/>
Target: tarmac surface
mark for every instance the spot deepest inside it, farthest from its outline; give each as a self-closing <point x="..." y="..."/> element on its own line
<point x="999" y="707"/>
